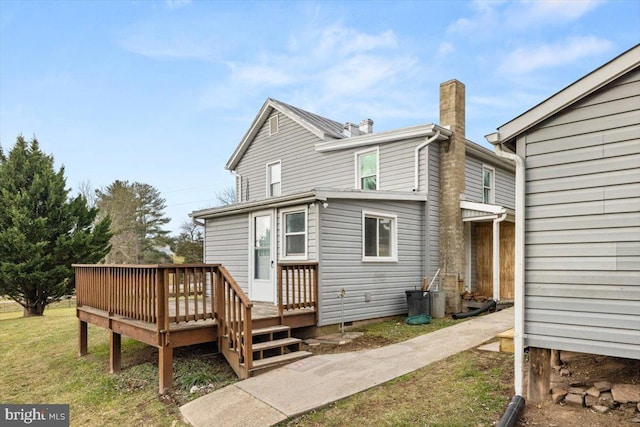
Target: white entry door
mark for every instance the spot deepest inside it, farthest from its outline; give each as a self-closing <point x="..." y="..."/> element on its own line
<point x="262" y="257"/>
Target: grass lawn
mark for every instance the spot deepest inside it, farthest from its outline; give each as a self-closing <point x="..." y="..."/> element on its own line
<point x="472" y="388"/>
<point x="41" y="365"/>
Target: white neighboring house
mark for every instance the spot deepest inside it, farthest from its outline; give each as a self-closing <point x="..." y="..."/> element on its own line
<point x="578" y="222"/>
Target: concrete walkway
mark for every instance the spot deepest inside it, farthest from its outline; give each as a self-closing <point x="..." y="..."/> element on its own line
<point x="315" y="382"/>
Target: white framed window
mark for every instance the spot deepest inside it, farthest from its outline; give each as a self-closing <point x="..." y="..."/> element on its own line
<point x="274" y="179"/>
<point x="367" y="165"/>
<point x="488" y="185"/>
<point x="379" y="237"/>
<point x="294" y="226"/>
<point x="274" y="124"/>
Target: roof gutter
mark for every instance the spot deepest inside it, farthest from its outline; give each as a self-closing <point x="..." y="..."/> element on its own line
<point x="237" y="208"/>
<point x="518" y="336"/>
<point x="416" y="161"/>
<point x="383" y="137"/>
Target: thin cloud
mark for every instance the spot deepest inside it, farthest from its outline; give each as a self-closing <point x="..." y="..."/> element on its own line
<point x="260" y="75"/>
<point x="446" y="48"/>
<point x="341" y="41"/>
<point x="177" y="48"/>
<point x="528" y="59"/>
<point x="491" y="17"/>
<point x="177" y="4"/>
<point x="362" y="73"/>
<point x="484" y="19"/>
<point x="335" y="64"/>
<point x="535" y="13"/>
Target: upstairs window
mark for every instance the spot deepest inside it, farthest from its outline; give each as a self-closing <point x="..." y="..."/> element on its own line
<point x="379" y="238"/>
<point x="273" y="125"/>
<point x="488" y="185"/>
<point x="294" y="234"/>
<point x="367" y="170"/>
<point x="273" y="179"/>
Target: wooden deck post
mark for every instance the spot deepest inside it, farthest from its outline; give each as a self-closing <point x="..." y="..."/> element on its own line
<point x="165" y="368"/>
<point x="82" y="337"/>
<point x="115" y="352"/>
<point x="539" y="374"/>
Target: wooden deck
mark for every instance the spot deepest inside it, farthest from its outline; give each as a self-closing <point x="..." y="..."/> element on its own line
<point x="170" y="306"/>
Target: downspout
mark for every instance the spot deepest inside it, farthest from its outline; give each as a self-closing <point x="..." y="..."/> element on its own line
<point x="416" y="159"/>
<point x="416" y="165"/>
<point x="496" y="255"/>
<point x="238" y="187"/>
<point x="518" y="336"/>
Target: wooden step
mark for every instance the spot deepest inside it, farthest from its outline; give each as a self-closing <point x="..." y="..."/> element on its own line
<point x="284" y="342"/>
<point x="260" y="366"/>
<point x="270" y="330"/>
<point x="270" y="333"/>
<point x="506" y="341"/>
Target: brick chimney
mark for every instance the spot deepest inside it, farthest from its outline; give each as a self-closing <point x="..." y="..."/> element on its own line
<point x="452" y="159"/>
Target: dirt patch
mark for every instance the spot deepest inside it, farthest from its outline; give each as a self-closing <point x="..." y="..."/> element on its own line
<point x="587" y="369"/>
<point x="359" y="343"/>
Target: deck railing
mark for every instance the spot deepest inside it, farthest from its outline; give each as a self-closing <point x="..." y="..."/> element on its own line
<point x="159" y="294"/>
<point x="234" y="322"/>
<point x="189" y="292"/>
<point x="297" y="286"/>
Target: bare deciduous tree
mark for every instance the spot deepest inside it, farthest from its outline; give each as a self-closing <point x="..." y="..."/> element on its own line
<point x="226" y="196"/>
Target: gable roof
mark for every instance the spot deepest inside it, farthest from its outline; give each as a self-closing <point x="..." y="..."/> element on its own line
<point x="323" y="128"/>
<point x="600" y="77"/>
<point x="328" y="126"/>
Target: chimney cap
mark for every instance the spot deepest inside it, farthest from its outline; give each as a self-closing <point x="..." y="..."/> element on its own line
<point x="366" y="126"/>
<point x="350" y="129"/>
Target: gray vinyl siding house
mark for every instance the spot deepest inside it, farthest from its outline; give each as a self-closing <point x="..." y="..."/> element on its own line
<point x="295" y="163"/>
<point x="581" y="153"/>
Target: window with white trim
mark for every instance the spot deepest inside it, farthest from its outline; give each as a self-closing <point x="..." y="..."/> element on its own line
<point x="488" y="184"/>
<point x="274" y="124"/>
<point x="367" y="170"/>
<point x="294" y="234"/>
<point x="273" y="179"/>
<point x="379" y="237"/>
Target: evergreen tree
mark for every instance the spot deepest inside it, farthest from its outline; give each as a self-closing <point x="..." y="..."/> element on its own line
<point x="138" y="219"/>
<point x="42" y="230"/>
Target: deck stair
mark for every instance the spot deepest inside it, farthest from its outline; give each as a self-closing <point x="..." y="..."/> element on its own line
<point x="273" y="347"/>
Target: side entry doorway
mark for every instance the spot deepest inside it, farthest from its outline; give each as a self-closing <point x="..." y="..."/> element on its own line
<point x="262" y="250"/>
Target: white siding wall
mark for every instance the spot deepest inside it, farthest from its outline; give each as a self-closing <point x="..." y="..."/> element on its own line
<point x="582" y="256"/>
<point x="504" y="183"/>
<point x="342" y="265"/>
<point x="303" y="168"/>
<point x="227" y="243"/>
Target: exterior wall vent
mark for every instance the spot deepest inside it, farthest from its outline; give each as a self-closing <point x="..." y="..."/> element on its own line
<point x="273" y="125"/>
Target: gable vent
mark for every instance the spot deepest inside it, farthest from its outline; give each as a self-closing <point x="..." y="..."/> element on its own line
<point x="273" y="125"/>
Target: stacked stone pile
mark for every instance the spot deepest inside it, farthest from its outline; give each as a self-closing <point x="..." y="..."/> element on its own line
<point x="600" y="396"/>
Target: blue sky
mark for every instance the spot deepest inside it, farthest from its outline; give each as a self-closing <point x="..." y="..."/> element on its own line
<point x="161" y="92"/>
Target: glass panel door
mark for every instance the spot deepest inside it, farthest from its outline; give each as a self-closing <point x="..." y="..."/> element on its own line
<point x="262" y="284"/>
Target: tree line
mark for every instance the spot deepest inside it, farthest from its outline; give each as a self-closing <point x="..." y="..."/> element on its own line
<point x="44" y="229"/>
